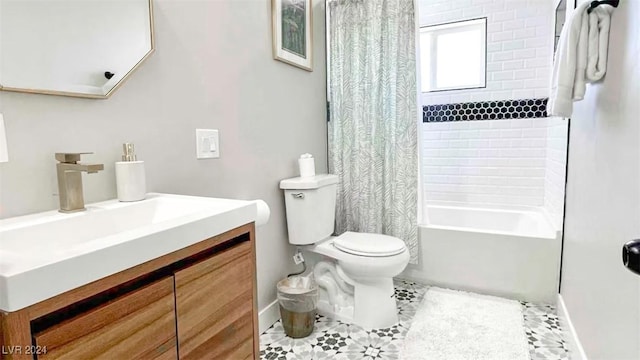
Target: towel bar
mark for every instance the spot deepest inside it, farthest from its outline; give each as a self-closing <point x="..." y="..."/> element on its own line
<point x="595" y="4"/>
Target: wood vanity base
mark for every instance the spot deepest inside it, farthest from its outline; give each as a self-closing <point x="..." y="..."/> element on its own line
<point x="195" y="303"/>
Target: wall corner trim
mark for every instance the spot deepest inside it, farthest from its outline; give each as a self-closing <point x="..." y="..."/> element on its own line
<point x="576" y="352"/>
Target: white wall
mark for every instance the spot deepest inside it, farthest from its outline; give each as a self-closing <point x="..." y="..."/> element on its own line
<point x="213" y="69"/>
<point x="603" y="201"/>
<point x="519" y="46"/>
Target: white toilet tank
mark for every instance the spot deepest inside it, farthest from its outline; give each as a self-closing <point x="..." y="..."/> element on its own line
<point x="311" y="207"/>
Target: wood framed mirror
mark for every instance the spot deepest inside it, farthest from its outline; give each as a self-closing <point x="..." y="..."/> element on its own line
<point x="80" y="48"/>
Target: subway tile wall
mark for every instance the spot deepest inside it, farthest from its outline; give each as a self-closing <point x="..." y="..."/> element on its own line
<point x="555" y="169"/>
<point x="506" y="162"/>
<point x="519" y="162"/>
<point x="519" y="47"/>
<point x="496" y="162"/>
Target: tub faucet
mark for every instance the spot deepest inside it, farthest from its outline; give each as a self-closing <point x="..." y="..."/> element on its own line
<point x="70" y="180"/>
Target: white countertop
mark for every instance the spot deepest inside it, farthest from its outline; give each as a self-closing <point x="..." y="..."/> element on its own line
<point x="46" y="254"/>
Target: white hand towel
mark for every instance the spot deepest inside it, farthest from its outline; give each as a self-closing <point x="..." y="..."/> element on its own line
<point x="565" y="65"/>
<point x="581" y="57"/>
<point x="599" y="25"/>
<point x="580" y="81"/>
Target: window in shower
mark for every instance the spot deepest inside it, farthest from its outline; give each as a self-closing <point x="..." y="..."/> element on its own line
<point x="454" y="56"/>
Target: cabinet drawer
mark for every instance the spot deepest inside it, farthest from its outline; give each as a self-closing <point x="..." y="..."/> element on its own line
<point x="137" y="325"/>
<point x="214" y="306"/>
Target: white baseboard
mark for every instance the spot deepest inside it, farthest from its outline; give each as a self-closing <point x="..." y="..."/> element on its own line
<point x="569" y="332"/>
<point x="268" y="316"/>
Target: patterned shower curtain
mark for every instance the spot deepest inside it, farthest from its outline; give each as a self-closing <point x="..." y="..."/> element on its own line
<point x="373" y="117"/>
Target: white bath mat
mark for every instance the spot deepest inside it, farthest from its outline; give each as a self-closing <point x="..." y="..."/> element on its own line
<point x="457" y="325"/>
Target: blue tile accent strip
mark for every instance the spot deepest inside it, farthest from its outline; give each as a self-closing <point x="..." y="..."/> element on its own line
<point x="486" y="110"/>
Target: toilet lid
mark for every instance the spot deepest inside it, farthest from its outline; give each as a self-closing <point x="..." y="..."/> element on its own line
<point x="366" y="244"/>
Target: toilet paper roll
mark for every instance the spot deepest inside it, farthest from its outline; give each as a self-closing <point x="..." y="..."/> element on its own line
<point x="307" y="165"/>
<point x="262" y="212"/>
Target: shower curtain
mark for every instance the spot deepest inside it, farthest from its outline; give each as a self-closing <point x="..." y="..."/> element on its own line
<point x="372" y="116"/>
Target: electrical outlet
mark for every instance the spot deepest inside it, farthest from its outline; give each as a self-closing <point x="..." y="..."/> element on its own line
<point x="298" y="259"/>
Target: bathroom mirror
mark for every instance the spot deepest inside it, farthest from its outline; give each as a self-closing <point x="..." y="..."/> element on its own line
<point x="83" y="48"/>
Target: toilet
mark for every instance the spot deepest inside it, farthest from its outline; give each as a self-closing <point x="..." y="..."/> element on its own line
<point x="355" y="275"/>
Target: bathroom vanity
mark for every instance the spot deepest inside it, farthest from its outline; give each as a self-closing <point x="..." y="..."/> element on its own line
<point x="195" y="302"/>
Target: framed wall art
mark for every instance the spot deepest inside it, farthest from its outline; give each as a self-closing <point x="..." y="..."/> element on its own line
<point x="293" y="32"/>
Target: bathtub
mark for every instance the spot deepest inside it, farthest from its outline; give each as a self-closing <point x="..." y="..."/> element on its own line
<point x="511" y="253"/>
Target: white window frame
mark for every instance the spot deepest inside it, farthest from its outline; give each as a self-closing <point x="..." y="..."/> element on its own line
<point x="436" y="30"/>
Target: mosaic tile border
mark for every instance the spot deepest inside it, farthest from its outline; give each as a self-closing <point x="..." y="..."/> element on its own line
<point x="486" y="110"/>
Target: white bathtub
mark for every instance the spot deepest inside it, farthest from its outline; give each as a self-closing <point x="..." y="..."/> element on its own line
<point x="511" y="253"/>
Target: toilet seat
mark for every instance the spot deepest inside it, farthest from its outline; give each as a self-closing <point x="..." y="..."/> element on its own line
<point x="367" y="244"/>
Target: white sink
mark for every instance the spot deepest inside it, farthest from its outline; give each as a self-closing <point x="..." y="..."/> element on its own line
<point x="46" y="254"/>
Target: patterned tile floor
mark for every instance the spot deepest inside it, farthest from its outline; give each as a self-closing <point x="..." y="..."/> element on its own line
<point x="332" y="339"/>
<point x="544" y="333"/>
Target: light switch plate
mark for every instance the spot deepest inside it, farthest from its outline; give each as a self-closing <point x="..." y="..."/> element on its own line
<point x="207" y="144"/>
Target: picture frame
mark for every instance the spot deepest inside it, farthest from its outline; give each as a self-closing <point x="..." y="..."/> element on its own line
<point x="292" y="22"/>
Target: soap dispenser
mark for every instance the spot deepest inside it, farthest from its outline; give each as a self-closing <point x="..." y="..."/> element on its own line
<point x="130" y="176"/>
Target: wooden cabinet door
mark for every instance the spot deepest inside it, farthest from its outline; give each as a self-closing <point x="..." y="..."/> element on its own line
<point x="214" y="306"/>
<point x="137" y="325"/>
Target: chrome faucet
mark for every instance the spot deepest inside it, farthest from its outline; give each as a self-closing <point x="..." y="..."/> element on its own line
<point x="70" y="180"/>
